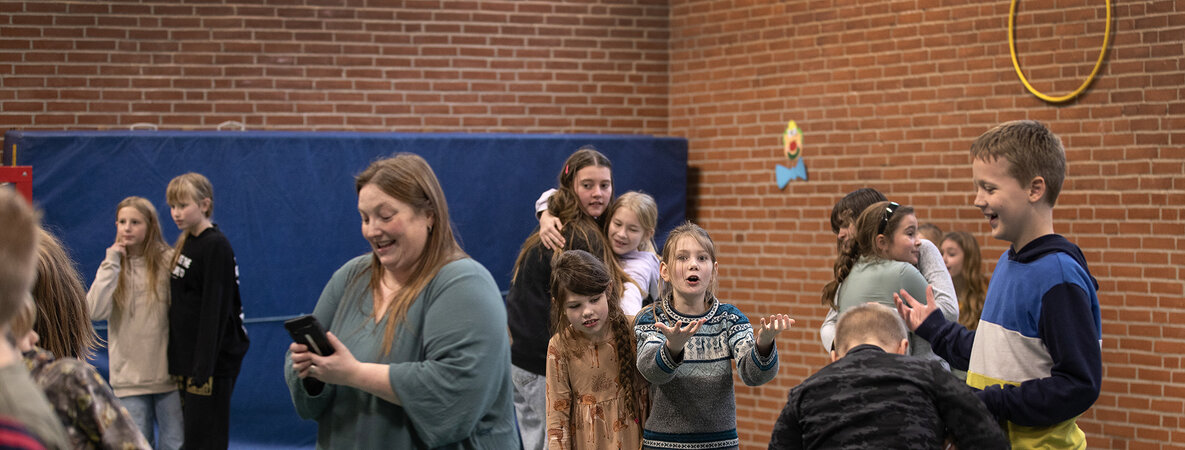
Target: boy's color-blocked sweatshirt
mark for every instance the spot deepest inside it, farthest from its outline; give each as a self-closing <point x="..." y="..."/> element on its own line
<point x="1036" y="355"/>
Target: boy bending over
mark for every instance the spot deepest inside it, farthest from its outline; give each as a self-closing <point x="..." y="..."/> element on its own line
<point x="872" y="396"/>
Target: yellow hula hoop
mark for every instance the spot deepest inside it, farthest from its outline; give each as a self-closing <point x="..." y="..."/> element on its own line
<point x="1016" y="64"/>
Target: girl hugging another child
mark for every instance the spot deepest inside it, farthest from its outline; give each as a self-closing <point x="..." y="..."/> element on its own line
<point x="877" y="262"/>
<point x="686" y="343"/>
<point x="629" y="229"/>
<point x="595" y="397"/>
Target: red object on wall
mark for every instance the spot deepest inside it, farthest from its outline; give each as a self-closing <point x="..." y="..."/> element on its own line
<point x="20" y="177"/>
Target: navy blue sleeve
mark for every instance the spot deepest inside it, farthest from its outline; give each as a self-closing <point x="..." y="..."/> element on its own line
<point x="1067" y="328"/>
<point x="949" y="340"/>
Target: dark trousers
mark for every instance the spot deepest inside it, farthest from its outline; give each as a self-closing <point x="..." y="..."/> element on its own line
<point x="205" y="407"/>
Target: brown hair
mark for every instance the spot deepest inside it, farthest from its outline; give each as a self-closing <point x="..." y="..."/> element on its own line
<point x="18" y="245"/>
<point x="565" y="202"/>
<point x="581" y="273"/>
<point x="154" y="250"/>
<point x="870" y="321"/>
<point x="971" y="284"/>
<point x="65" y="328"/>
<point x="408" y="178"/>
<point x="578" y="226"/>
<point x="1030" y="148"/>
<point x="928" y="231"/>
<point x="24" y="318"/>
<point x="188" y="187"/>
<point x="863" y="243"/>
<point x="850" y="206"/>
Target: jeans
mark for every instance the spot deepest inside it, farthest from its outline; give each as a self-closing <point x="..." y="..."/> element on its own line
<point x="162" y="410"/>
<point x="530" y="403"/>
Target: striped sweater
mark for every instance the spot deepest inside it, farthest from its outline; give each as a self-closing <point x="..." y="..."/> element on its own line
<point x="1036" y="356"/>
<point x="692" y="400"/>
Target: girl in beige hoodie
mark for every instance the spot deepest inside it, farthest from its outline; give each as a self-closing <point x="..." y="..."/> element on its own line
<point x="131" y="292"/>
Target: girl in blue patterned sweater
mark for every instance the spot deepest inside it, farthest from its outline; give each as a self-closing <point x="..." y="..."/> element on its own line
<point x="686" y="343"/>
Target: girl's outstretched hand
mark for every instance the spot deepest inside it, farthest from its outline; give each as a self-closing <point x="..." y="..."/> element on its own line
<point x="913" y="312"/>
<point x="678" y="334"/>
<point x="549" y="232"/>
<point x="770" y="328"/>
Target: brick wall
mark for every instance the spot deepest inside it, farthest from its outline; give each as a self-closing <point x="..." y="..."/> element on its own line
<point x="428" y="65"/>
<point x="889" y="94"/>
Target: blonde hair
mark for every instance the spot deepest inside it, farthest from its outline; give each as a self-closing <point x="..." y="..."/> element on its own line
<point x="870" y="321"/>
<point x="18" y="245"/>
<point x="189" y="187"/>
<point x="687" y="230"/>
<point x="408" y="178"/>
<point x="644" y="207"/>
<point x="153" y="249"/>
<point x="65" y="328"/>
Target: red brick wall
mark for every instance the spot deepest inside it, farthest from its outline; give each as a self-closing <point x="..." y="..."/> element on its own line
<point x="889" y="94"/>
<point x="430" y="65"/>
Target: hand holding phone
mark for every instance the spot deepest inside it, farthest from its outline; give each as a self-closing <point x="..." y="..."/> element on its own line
<point x="307" y="330"/>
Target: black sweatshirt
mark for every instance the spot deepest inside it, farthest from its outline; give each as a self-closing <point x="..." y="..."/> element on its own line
<point x="206" y="334"/>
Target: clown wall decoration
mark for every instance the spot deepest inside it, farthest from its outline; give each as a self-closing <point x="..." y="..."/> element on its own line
<point x="792" y="148"/>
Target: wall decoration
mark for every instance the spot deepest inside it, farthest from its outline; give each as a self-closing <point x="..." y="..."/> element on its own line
<point x="792" y="148"/>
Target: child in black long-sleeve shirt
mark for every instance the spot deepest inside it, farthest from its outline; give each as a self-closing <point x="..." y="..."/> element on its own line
<point x="207" y="340"/>
<point x="872" y="396"/>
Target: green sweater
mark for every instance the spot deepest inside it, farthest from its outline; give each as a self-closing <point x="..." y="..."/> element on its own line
<point x="449" y="365"/>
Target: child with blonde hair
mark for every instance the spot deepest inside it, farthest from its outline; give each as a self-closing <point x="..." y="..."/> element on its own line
<point x="207" y="340"/>
<point x="131" y="292"/>
<point x="687" y="341"/>
<point x="630" y="231"/>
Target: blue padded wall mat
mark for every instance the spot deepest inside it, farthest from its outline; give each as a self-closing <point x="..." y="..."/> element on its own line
<point x="286" y="201"/>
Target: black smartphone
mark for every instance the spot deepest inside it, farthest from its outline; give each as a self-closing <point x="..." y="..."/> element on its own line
<point x="307" y="330"/>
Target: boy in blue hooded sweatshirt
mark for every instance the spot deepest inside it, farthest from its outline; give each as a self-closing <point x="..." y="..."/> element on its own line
<point x="1036" y="356"/>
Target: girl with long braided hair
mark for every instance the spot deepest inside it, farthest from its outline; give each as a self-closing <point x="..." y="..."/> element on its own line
<point x="595" y="396"/>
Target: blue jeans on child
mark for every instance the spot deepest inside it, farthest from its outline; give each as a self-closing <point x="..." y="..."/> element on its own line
<point x="530" y="404"/>
<point x="162" y="410"/>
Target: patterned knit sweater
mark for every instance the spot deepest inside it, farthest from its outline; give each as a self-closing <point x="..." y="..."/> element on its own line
<point x="693" y="405"/>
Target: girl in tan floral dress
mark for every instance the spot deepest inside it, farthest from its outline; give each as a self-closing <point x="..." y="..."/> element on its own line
<point x="596" y="399"/>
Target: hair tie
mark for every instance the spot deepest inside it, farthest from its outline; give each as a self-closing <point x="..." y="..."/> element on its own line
<point x="565" y="169"/>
